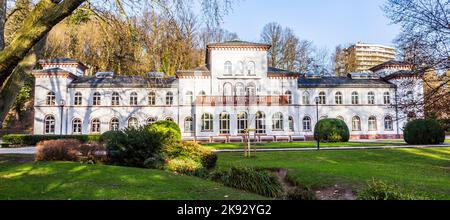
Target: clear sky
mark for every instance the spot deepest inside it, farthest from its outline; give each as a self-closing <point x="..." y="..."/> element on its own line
<point x="327" y="23"/>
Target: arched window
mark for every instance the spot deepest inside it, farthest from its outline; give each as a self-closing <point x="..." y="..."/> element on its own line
<point x="228" y="69"/>
<point x="115" y="99"/>
<point x="76" y="126"/>
<point x="277" y="122"/>
<point x="306" y="123"/>
<point x="322" y="98"/>
<point x="356" y="123"/>
<point x="289" y="96"/>
<point x="207" y="123"/>
<point x="372" y="123"/>
<point x="96" y="99"/>
<point x="151" y="120"/>
<point x="388" y="123"/>
<point x="224" y="125"/>
<point x="188" y="125"/>
<point x="169" y="119"/>
<point x="202" y="93"/>
<point x="340" y="118"/>
<point x="133" y="122"/>
<point x="291" y="124"/>
<point x="371" y="98"/>
<point x="242" y="120"/>
<point x="50" y="99"/>
<point x="355" y="98"/>
<point x="189" y="98"/>
<point x="152" y="98"/>
<point x="251" y="89"/>
<point x="169" y="98"/>
<point x="338" y="98"/>
<point x="78" y="99"/>
<point x="133" y="99"/>
<point x="251" y="68"/>
<point x="114" y="124"/>
<point x="49" y="124"/>
<point x="305" y="98"/>
<point x="227" y="89"/>
<point x="240" y="89"/>
<point x="95" y="126"/>
<point x="260" y="121"/>
<point x="387" y="98"/>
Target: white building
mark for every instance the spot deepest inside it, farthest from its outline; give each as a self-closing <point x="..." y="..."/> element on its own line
<point x="236" y="90"/>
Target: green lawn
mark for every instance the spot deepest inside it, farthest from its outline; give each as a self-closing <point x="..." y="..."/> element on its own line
<point x="426" y="171"/>
<point x="65" y="180"/>
<point x="305" y="144"/>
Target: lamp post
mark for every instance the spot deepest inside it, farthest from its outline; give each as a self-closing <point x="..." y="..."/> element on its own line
<point x="63" y="103"/>
<point x="317" y="100"/>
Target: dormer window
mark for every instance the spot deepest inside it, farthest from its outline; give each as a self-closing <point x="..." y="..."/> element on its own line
<point x="228" y="69"/>
<point x="251" y="69"/>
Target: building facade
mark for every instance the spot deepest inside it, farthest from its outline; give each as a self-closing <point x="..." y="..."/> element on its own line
<point x="235" y="91"/>
<point x="364" y="56"/>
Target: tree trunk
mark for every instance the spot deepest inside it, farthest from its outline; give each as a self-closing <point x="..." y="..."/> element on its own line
<point x="39" y="22"/>
<point x="2" y="23"/>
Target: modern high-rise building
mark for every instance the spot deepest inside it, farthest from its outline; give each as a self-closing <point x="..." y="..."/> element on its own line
<point x="361" y="57"/>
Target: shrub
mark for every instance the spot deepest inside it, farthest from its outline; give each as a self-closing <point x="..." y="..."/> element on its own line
<point x="57" y="150"/>
<point x="249" y="179"/>
<point x="300" y="194"/>
<point x="26" y="139"/>
<point x="167" y="132"/>
<point x="378" y="190"/>
<point x="424" y="132"/>
<point x="188" y="158"/>
<point x="133" y="147"/>
<point x="141" y="147"/>
<point x="92" y="152"/>
<point x="331" y="130"/>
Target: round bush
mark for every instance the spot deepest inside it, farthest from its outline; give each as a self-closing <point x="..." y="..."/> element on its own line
<point x="424" y="132"/>
<point x="331" y="130"/>
<point x="167" y="132"/>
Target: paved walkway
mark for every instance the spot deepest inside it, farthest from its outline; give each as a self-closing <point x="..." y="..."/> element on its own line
<point x="337" y="148"/>
<point x="22" y="150"/>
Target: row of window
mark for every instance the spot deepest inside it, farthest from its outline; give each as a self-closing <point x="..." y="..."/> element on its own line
<point x="115" y="99"/>
<point x="189" y="97"/>
<point x="241" y="70"/>
<point x="339" y="98"/>
<point x="77" y="125"/>
<point x="207" y="123"/>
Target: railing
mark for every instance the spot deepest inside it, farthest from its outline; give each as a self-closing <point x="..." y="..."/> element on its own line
<point x="242" y="100"/>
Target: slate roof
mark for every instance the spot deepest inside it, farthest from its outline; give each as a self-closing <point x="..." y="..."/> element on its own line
<point x="343" y="82"/>
<point x="123" y="81"/>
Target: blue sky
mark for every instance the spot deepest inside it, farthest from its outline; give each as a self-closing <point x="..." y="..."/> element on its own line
<point x="325" y="22"/>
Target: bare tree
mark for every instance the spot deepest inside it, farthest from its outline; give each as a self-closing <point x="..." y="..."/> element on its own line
<point x="2" y="23"/>
<point x="272" y="34"/>
<point x="425" y="41"/>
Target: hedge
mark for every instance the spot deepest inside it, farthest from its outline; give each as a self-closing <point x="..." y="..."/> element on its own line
<point x="26" y="139"/>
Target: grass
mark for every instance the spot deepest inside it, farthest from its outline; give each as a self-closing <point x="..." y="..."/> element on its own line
<point x="65" y="180"/>
<point x="425" y="172"/>
<point x="305" y="144"/>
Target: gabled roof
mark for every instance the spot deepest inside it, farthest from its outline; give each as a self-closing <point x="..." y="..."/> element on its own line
<point x="342" y="82"/>
<point x="123" y="82"/>
<point x="391" y="63"/>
